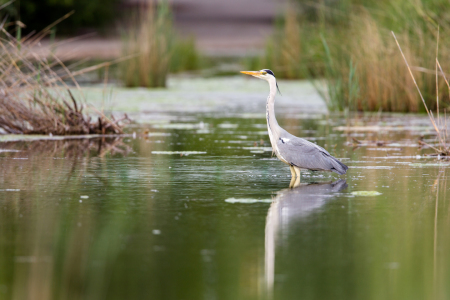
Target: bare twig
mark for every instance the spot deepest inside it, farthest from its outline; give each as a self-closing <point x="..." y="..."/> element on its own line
<point x="430" y="114"/>
<point x="415" y="83"/>
<point x="437" y="85"/>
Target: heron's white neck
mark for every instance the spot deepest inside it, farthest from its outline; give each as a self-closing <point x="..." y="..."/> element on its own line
<point x="270" y="109"/>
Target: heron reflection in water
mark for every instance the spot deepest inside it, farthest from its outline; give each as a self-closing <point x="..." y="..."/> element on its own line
<point x="289" y="206"/>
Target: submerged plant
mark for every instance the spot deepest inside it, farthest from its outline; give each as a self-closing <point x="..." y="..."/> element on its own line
<point x="35" y="99"/>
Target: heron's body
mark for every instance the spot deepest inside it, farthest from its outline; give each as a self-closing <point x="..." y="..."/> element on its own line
<point x="296" y="152"/>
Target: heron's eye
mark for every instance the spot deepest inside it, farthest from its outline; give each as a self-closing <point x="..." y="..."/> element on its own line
<point x="263" y="72"/>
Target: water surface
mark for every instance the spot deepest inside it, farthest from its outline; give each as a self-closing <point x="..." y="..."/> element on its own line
<point x="197" y="208"/>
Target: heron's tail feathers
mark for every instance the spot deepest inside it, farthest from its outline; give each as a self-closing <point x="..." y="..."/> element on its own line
<point x="338" y="167"/>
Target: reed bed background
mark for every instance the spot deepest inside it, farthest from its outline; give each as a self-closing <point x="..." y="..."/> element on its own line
<point x="348" y="44"/>
<point x="442" y="148"/>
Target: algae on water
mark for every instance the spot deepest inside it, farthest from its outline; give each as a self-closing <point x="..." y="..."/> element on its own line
<point x="366" y="193"/>
<point x="247" y="200"/>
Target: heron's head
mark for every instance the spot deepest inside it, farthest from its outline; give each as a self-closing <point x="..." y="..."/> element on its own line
<point x="265" y="74"/>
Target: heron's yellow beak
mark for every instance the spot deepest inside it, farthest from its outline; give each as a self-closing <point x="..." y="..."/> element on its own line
<point x="253" y="73"/>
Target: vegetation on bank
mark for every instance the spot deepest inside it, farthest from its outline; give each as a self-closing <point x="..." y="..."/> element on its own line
<point x="348" y="43"/>
<point x="35" y="96"/>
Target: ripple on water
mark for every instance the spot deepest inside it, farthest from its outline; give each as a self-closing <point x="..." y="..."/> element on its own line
<point x="366" y="193"/>
<point x="178" y="152"/>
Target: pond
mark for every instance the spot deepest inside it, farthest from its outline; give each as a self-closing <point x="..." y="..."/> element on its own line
<point x="197" y="208"/>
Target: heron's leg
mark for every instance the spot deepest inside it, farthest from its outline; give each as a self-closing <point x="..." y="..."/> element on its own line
<point x="292" y="183"/>
<point x="292" y="171"/>
<point x="297" y="172"/>
<point x="296" y="182"/>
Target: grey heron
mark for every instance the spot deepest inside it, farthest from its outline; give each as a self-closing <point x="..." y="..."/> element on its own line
<point x="296" y="152"/>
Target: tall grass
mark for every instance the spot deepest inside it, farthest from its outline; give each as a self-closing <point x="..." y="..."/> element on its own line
<point x="152" y="41"/>
<point x="348" y="43"/>
<point x="370" y="76"/>
<point x="185" y="56"/>
<point x="338" y="87"/>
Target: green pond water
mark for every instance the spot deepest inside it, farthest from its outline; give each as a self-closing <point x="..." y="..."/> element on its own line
<point x="197" y="208"/>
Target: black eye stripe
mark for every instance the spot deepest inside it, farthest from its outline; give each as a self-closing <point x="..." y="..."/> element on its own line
<point x="269" y="72"/>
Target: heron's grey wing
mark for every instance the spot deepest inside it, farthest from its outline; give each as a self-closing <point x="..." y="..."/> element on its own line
<point x="306" y="155"/>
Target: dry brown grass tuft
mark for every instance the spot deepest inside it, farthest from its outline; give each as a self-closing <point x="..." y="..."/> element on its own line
<point x="383" y="84"/>
<point x="35" y="99"/>
<point x="367" y="75"/>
